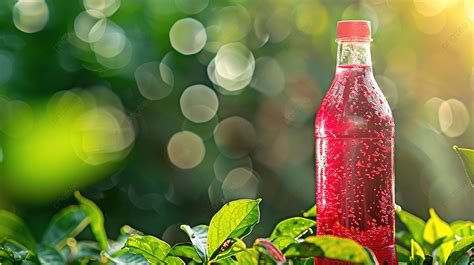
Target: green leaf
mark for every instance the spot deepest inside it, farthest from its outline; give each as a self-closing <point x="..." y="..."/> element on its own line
<point x="171" y="260"/>
<point x="404" y="237"/>
<point x="234" y="220"/>
<point x="303" y="250"/>
<point x="226" y="261"/>
<point x="85" y="250"/>
<point x="69" y="222"/>
<point x="370" y="253"/>
<point x="292" y="227"/>
<point x="441" y="253"/>
<point x="417" y="256"/>
<point x="119" y="243"/>
<point x="18" y="251"/>
<point x="6" y="256"/>
<point x="235" y="246"/>
<point x="467" y="158"/>
<point x="152" y="248"/>
<point x="282" y="242"/>
<point x="462" y="228"/>
<point x="127" y="258"/>
<point x="96" y="219"/>
<point x="49" y="255"/>
<point x="198" y="237"/>
<point x="128" y="230"/>
<point x="402" y="253"/>
<point x="185" y="251"/>
<point x="460" y="249"/>
<point x="12" y="227"/>
<point x="266" y="247"/>
<point x="414" y="224"/>
<point x="436" y="229"/>
<point x="307" y="261"/>
<point x="329" y="247"/>
<point x="311" y="212"/>
<point x="249" y="256"/>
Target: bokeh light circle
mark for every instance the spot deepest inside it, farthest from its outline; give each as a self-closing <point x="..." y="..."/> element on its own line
<point x="240" y="183"/>
<point x="88" y="28"/>
<point x="269" y="77"/>
<point x="30" y="16"/>
<point x="112" y="41"/>
<point x="192" y="6"/>
<point x="214" y="192"/>
<point x="120" y="60"/>
<point x="234" y="61"/>
<point x="235" y="137"/>
<point x="6" y="61"/>
<point x="431" y="108"/>
<point x="186" y="150"/>
<point x="103" y="135"/>
<point x="65" y="106"/>
<point x="228" y="24"/>
<point x="430" y="8"/>
<point x="188" y="36"/>
<point x="16" y="118"/>
<point x="453" y="117"/>
<point x="223" y="165"/>
<point x="305" y="18"/>
<point x="199" y="103"/>
<point x="105" y="7"/>
<point x="155" y="80"/>
<point x="469" y="6"/>
<point x="279" y="25"/>
<point x="233" y="67"/>
<point x="362" y="11"/>
<point x="431" y="25"/>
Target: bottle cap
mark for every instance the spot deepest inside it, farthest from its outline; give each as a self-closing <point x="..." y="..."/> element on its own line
<point x="353" y="30"/>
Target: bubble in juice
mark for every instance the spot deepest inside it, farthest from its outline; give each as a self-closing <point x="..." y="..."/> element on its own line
<point x="354" y="163"/>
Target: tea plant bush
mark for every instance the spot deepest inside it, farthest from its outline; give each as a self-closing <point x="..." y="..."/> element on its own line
<point x="221" y="241"/>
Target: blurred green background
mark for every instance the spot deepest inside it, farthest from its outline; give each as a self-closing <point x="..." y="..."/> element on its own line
<point x="162" y="110"/>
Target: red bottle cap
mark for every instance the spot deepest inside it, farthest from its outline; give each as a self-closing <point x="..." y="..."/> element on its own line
<point x="353" y="30"/>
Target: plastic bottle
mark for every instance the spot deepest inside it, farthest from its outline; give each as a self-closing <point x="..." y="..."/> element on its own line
<point x="354" y="132"/>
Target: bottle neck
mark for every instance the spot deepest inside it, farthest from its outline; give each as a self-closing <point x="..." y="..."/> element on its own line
<point x="353" y="53"/>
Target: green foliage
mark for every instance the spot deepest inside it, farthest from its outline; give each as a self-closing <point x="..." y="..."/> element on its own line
<point x="414" y="224"/>
<point x="11" y="253"/>
<point x="458" y="251"/>
<point x="234" y="246"/>
<point x="329" y="247"/>
<point x="234" y="220"/>
<point x="198" y="237"/>
<point x="311" y="212"/>
<point x="67" y="223"/>
<point x="462" y="228"/>
<point x="402" y="253"/>
<point x="96" y="219"/>
<point x="283" y="242"/>
<point x="49" y="255"/>
<point x="467" y="158"/>
<point x="152" y="248"/>
<point x="292" y="227"/>
<point x="417" y="255"/>
<point x="435" y="229"/>
<point x="12" y="227"/>
<point x="266" y="247"/>
<point x="438" y="239"/>
<point x="186" y="251"/>
<point x="434" y="241"/>
<point x="249" y="256"/>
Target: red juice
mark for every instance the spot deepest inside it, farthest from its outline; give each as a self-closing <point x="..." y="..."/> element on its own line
<point x="354" y="132"/>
